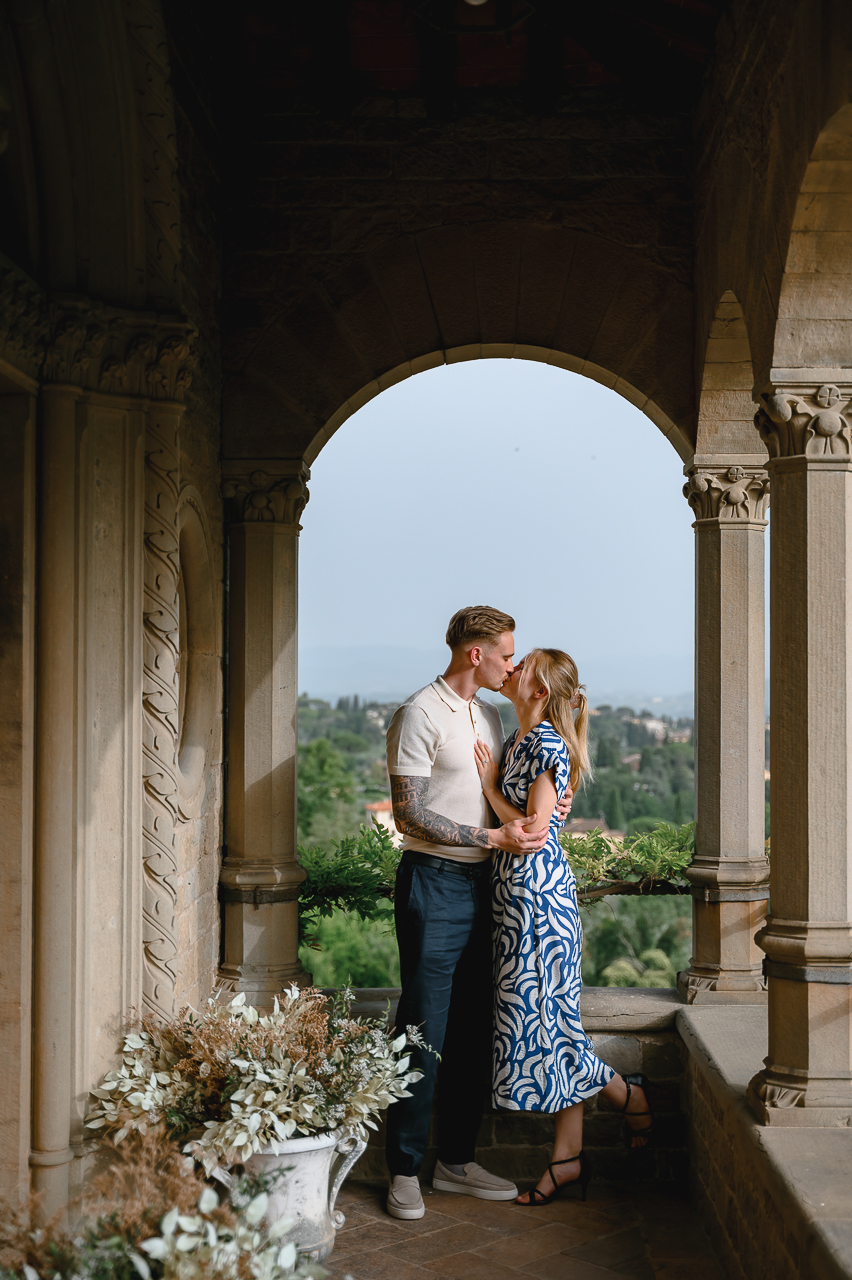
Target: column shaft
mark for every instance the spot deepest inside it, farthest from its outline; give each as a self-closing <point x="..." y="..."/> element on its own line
<point x="260" y="877"/>
<point x="730" y="871"/>
<point x="807" y="1079"/>
<point x="53" y="915"/>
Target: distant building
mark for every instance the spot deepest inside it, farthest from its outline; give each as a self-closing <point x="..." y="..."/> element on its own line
<point x="382" y="811"/>
<point x="633" y="761"/>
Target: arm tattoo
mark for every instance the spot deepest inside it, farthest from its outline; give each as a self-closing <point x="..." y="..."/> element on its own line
<point x="414" y="819"/>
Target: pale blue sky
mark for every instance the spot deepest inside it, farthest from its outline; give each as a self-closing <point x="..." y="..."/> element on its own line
<point x="504" y="482"/>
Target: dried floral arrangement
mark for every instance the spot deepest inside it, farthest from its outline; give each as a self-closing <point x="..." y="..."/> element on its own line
<point x="153" y="1217"/>
<point x="231" y="1081"/>
<point x="651" y="863"/>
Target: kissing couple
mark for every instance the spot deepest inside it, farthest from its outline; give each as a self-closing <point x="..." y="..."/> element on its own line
<point x="486" y="915"/>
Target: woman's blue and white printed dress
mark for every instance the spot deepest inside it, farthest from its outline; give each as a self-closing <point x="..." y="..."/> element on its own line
<point x="543" y="1060"/>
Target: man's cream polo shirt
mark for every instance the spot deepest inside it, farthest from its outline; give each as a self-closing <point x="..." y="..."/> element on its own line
<point x="432" y="736"/>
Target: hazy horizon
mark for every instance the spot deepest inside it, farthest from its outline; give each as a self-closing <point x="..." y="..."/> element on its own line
<point x="505" y="482"/>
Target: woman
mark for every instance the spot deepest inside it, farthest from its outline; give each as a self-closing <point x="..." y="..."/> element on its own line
<point x="543" y="1060"/>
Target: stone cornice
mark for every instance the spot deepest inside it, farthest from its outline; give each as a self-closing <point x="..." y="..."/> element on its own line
<point x="806" y="419"/>
<point x="266" y="491"/>
<point x="728" y="494"/>
<point x="92" y="346"/>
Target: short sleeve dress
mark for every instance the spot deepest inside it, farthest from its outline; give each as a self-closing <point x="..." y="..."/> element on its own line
<point x="543" y="1060"/>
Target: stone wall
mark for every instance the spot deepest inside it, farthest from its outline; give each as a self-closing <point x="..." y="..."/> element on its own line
<point x="518" y="1144"/>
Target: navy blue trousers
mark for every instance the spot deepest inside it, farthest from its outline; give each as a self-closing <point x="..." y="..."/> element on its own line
<point x="443" y="927"/>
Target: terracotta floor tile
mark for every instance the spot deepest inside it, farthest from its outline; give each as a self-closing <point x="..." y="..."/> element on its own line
<point x="706" y="1268"/>
<point x="499" y="1214"/>
<point x="378" y="1266"/>
<point x="373" y="1235"/>
<point x="584" y="1217"/>
<point x="559" y="1266"/>
<point x="472" y="1266"/>
<point x="517" y="1251"/>
<point x="636" y="1269"/>
<point x="455" y="1239"/>
<point x="610" y="1250"/>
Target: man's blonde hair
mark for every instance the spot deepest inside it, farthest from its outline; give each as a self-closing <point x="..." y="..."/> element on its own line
<point x="478" y="624"/>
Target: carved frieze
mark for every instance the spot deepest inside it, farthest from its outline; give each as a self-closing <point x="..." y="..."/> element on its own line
<point x="806" y="420"/>
<point x="732" y="493"/>
<point x="160" y="703"/>
<point x="266" y="495"/>
<point x="92" y="346"/>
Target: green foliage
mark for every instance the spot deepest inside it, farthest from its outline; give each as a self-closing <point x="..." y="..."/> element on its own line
<point x="663" y="787"/>
<point x="324" y="783"/>
<point x="615" y="810"/>
<point x="640" y="864"/>
<point x="637" y="941"/>
<point x="352" y="951"/>
<point x="357" y="874"/>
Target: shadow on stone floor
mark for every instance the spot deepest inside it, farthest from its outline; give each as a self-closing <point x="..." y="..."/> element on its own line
<point x="639" y="1232"/>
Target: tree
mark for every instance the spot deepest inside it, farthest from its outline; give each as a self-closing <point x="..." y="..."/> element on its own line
<point x="323" y="783"/>
<point x="615" y="810"/>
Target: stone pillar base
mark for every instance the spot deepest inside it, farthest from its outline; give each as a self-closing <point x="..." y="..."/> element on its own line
<point x="790" y="1100"/>
<point x="699" y="987"/>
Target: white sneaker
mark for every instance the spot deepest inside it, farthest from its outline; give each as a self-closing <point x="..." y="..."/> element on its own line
<point x="475" y="1181"/>
<point x="404" y="1198"/>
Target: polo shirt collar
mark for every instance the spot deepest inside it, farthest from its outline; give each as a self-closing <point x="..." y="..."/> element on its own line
<point x="451" y="698"/>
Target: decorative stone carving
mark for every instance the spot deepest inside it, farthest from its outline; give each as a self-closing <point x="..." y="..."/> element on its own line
<point x="802" y="420"/>
<point x="160" y="690"/>
<point x="92" y="346"/>
<point x="729" y="494"/>
<point x="262" y="497"/>
<point x="763" y="1093"/>
<point x="24" y="322"/>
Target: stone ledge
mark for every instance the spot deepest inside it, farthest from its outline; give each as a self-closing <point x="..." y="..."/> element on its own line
<point x="601" y="1008"/>
<point x="804" y="1173"/>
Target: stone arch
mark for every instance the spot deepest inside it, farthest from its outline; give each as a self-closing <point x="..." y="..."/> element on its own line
<point x="725" y="407"/>
<point x="456" y="293"/>
<point x="815" y="307"/>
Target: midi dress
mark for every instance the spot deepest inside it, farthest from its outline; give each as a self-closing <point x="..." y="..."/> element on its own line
<point x="542" y="1059"/>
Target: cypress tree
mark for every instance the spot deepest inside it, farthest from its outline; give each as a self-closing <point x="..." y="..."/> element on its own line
<point x="615" y="810"/>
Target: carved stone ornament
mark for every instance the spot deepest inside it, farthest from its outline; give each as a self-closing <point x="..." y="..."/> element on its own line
<point x="768" y="1094"/>
<point x="92" y="346"/>
<point x="810" y="421"/>
<point x="737" y="494"/>
<point x="261" y="497"/>
<point x="160" y="702"/>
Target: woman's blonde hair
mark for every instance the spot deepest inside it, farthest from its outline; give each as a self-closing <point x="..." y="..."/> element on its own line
<point x="557" y="671"/>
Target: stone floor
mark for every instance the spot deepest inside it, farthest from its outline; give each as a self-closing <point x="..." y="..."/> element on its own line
<point x="643" y="1232"/>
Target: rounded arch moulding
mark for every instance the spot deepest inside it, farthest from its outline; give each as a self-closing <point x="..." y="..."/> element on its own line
<point x="457" y="354"/>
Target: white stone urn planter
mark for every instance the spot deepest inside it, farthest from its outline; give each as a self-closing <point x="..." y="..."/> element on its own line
<point x="306" y="1192"/>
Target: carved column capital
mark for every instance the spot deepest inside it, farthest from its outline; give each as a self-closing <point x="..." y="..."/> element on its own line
<point x="89" y="345"/>
<point x="732" y="494"/>
<point x="799" y="419"/>
<point x="270" y="491"/>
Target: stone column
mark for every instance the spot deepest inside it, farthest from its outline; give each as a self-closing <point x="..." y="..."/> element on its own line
<point x="17" y="710"/>
<point x="730" y="872"/>
<point x="260" y="876"/>
<point x="807" y="1079"/>
<point x="53" y="915"/>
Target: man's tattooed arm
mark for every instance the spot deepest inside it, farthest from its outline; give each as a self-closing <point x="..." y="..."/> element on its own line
<point x="414" y="819"/>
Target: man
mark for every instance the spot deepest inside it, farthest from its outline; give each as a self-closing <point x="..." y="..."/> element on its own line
<point x="443" y="907"/>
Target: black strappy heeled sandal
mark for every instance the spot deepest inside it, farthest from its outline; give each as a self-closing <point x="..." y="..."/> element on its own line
<point x="538" y="1198"/>
<point x="630" y="1133"/>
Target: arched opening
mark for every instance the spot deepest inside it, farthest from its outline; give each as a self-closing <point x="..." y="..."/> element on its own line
<point x="450" y="467"/>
